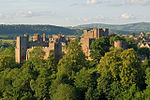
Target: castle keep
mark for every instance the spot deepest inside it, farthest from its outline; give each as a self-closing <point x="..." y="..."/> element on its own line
<point x="24" y="46"/>
<point x="89" y="36"/>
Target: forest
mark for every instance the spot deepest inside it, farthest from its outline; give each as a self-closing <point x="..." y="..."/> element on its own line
<point x="15" y="30"/>
<point x="112" y="74"/>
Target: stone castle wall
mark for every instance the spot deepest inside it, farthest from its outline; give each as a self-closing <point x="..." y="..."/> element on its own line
<point x="54" y="44"/>
<point x="89" y="36"/>
<point x="24" y="46"/>
<point x="120" y="44"/>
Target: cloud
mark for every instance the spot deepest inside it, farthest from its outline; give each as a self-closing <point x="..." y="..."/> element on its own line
<point x="91" y="2"/>
<point x="127" y="16"/>
<point x="1" y="15"/>
<point x="2" y="23"/>
<point x="130" y="3"/>
<point x="28" y="13"/>
<point x="139" y="2"/>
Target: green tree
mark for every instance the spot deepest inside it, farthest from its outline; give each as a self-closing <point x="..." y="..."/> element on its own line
<point x="73" y="61"/>
<point x="85" y="82"/>
<point x="68" y="66"/>
<point x="130" y="68"/>
<point x="147" y="34"/>
<point x="121" y="67"/>
<point x="99" y="47"/>
<point x="132" y="93"/>
<point x="51" y="63"/>
<point x="116" y="38"/>
<point x="6" y="61"/>
<point x="132" y="43"/>
<point x="144" y="52"/>
<point x="132" y="33"/>
<point x="146" y="63"/>
<point x="109" y="72"/>
<point x="37" y="52"/>
<point x="40" y="87"/>
<point x="19" y="83"/>
<point x="65" y="92"/>
<point x="147" y="91"/>
<point x="9" y="51"/>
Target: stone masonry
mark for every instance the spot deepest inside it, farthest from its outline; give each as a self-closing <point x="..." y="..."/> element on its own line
<point x="54" y="44"/>
<point x="89" y="36"/>
<point x="24" y="46"/>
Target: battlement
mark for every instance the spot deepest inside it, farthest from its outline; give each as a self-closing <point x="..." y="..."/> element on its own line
<point x="89" y="36"/>
<point x="96" y="33"/>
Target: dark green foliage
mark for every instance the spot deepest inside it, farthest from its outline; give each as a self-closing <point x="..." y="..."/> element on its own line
<point x="73" y="61"/>
<point x="119" y="69"/>
<point x="31" y="29"/>
<point x="51" y="63"/>
<point x="99" y="47"/>
<point x="132" y="93"/>
<point x="85" y="82"/>
<point x="119" y="75"/>
<point x="132" y="43"/>
<point x="37" y="53"/>
<point x="132" y="33"/>
<point x="65" y="92"/>
<point x="144" y="52"/>
<point x="116" y="38"/>
<point x="147" y="90"/>
<point x="146" y="63"/>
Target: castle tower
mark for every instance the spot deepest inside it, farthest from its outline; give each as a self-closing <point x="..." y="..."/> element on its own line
<point x="55" y="47"/>
<point x="96" y="33"/>
<point x="18" y="50"/>
<point x="89" y="36"/>
<point x="44" y="37"/>
<point x="120" y="44"/>
<point x="21" y="48"/>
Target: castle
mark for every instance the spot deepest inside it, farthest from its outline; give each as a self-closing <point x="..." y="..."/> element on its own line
<point x="89" y="36"/>
<point x="54" y="45"/>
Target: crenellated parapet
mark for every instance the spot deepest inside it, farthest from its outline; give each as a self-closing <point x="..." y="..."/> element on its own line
<point x="96" y="33"/>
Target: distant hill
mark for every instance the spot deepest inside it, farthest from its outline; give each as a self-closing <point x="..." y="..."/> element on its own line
<point x="15" y="30"/>
<point x="119" y="29"/>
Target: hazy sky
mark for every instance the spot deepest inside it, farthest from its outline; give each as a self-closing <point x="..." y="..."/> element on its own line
<point x="74" y="12"/>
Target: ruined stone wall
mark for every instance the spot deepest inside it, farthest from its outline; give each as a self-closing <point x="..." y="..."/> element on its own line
<point x="120" y="44"/>
<point x="38" y="43"/>
<point x="47" y="51"/>
<point x="85" y="43"/>
<point x="54" y="45"/>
